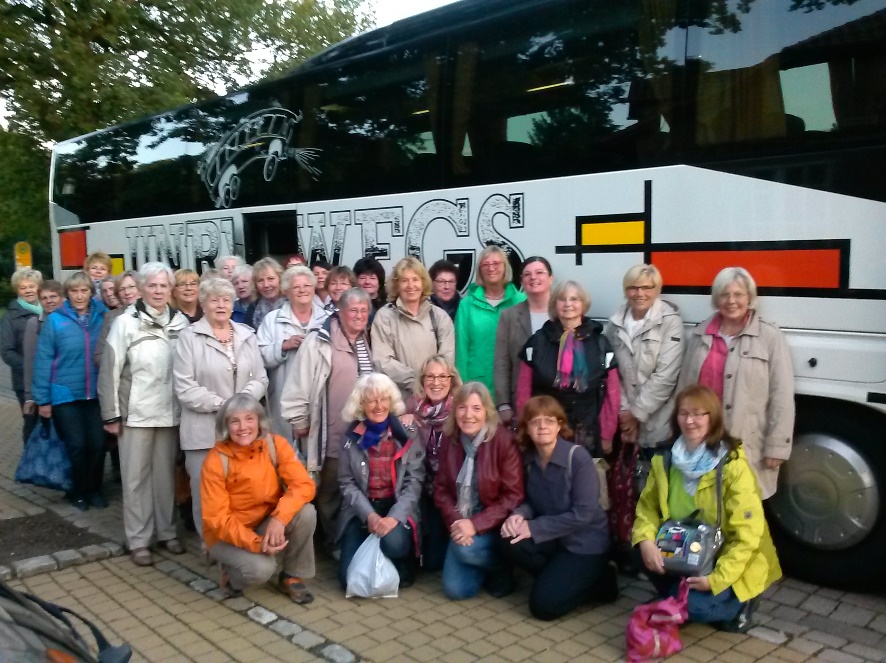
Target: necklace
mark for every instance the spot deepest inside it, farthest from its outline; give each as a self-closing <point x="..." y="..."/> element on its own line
<point x="230" y="334"/>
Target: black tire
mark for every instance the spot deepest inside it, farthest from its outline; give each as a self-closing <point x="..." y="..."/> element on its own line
<point x="858" y="567"/>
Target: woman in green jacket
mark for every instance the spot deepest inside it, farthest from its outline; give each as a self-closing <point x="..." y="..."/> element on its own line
<point x="747" y="563"/>
<point x="476" y="322"/>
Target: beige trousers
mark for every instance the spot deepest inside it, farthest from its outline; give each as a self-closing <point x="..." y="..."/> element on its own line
<point x="194" y="466"/>
<point x="247" y="568"/>
<point x="147" y="461"/>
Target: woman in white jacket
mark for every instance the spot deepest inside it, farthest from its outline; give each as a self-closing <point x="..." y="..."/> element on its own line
<point x="646" y="334"/>
<point x="215" y="359"/>
<point x="139" y="406"/>
<point x="282" y="332"/>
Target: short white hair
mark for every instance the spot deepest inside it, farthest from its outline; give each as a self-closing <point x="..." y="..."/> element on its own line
<point x="291" y="273"/>
<point x="374" y="384"/>
<point x="241" y="403"/>
<point x="219" y="263"/>
<point x="150" y="269"/>
<point x="727" y="277"/>
<point x="216" y="287"/>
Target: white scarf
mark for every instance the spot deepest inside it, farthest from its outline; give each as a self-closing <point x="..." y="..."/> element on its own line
<point x="464" y="481"/>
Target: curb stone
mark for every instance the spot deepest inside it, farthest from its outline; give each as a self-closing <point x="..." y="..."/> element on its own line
<point x="63" y="559"/>
<point x="304" y="639"/>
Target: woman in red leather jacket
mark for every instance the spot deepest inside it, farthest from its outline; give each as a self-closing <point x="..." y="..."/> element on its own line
<point x="478" y="485"/>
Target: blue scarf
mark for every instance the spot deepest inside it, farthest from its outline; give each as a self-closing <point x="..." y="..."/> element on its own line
<point x="374" y="432"/>
<point x="693" y="466"/>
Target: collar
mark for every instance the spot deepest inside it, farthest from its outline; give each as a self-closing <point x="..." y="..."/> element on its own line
<point x="559" y="457"/>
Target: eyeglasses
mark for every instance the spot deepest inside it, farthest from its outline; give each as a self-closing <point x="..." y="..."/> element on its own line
<point x="537" y="274"/>
<point x="437" y="378"/>
<point x="375" y="402"/>
<point x="301" y="288"/>
<point x="694" y="414"/>
<point x="444" y="282"/>
<point x="537" y="422"/>
<point x="189" y="284"/>
<point x="634" y="289"/>
<point x="127" y="288"/>
<point x="492" y="264"/>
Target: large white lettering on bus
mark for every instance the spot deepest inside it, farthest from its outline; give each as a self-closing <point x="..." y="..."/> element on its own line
<point x="496" y="209"/>
<point x="186" y="245"/>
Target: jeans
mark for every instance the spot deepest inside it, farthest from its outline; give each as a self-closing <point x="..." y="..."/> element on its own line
<point x="563" y="580"/>
<point x="704" y="607"/>
<point x="465" y="567"/>
<point x="435" y="536"/>
<point x="398" y="545"/>
<point x="79" y="425"/>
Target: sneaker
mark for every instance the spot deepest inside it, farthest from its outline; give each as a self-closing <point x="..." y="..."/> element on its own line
<point x="98" y="501"/>
<point x="174" y="546"/>
<point x="80" y="504"/>
<point x="295" y="589"/>
<point x="141" y="557"/>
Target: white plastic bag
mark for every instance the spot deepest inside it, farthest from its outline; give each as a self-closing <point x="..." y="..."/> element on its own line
<point x="371" y="574"/>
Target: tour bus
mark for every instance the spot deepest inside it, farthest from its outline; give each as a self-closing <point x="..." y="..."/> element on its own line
<point x="691" y="135"/>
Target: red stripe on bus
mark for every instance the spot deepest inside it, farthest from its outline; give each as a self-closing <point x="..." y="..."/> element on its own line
<point x="788" y="268"/>
<point x="72" y="248"/>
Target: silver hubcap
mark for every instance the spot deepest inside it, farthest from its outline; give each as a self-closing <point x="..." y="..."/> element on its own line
<point x="827" y="495"/>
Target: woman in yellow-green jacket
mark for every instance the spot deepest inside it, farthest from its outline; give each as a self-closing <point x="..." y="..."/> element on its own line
<point x="747" y="563"/>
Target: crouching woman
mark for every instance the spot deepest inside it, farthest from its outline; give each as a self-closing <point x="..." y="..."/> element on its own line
<point x="747" y="563"/>
<point x="256" y="503"/>
<point x="560" y="533"/>
<point x="381" y="469"/>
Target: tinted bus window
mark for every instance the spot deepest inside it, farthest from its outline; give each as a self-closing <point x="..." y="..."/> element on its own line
<point x="373" y="122"/>
<point x="793" y="80"/>
<point x="577" y="88"/>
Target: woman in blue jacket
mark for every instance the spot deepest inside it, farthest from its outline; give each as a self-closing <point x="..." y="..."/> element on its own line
<point x="65" y="388"/>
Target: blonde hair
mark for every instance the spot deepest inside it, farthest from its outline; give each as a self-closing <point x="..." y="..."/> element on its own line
<point x="560" y="291"/>
<point x="454" y="382"/>
<point x="461" y="395"/>
<point x="374" y="384"/>
<point x="97" y="256"/>
<point x="487" y="252"/>
<point x="79" y="279"/>
<point x="26" y="274"/>
<point x="266" y="264"/>
<point x="392" y="285"/>
<point x="640" y="271"/>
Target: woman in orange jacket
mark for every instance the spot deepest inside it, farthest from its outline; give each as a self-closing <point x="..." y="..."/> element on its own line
<point x="256" y="503"/>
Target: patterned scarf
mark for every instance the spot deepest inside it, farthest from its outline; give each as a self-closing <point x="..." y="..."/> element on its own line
<point x="694" y="465"/>
<point x="572" y="364"/>
<point x="374" y="432"/>
<point x="434" y="415"/>
<point x="465" y="479"/>
<point x="263" y="307"/>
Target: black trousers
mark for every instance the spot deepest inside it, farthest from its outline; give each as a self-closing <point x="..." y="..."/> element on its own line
<point x="28" y="420"/>
<point x="563" y="580"/>
<point x="79" y="425"/>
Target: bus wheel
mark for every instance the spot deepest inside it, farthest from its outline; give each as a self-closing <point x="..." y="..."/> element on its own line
<point x="826" y="518"/>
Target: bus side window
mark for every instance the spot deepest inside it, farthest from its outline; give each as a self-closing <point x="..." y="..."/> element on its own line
<point x="793" y="84"/>
<point x="583" y="87"/>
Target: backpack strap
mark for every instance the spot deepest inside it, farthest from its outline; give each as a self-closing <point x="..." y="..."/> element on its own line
<point x="666" y="461"/>
<point x="569" y="468"/>
<point x="272" y="452"/>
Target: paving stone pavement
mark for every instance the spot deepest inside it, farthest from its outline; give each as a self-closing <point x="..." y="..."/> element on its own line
<point x="172" y="611"/>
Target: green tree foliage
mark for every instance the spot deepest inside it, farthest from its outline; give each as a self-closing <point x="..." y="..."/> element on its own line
<point x="69" y="67"/>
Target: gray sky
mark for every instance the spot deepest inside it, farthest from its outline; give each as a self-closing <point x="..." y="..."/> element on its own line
<point x="388" y="11"/>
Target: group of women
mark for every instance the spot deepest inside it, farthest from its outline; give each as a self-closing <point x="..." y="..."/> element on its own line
<point x="461" y="431"/>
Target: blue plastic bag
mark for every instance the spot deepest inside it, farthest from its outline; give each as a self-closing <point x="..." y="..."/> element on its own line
<point x="45" y="460"/>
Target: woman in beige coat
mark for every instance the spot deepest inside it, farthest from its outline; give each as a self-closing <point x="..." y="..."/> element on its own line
<point x="746" y="361"/>
<point x="215" y="358"/>
<point x="646" y="334"/>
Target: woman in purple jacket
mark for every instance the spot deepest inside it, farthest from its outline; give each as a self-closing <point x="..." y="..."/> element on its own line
<point x="560" y="533"/>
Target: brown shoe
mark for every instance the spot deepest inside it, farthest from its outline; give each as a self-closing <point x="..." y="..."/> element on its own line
<point x="295" y="589"/>
<point x="141" y="557"/>
<point x="224" y="584"/>
<point x="174" y="546"/>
